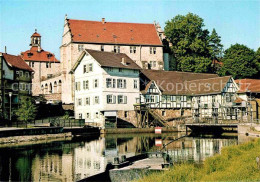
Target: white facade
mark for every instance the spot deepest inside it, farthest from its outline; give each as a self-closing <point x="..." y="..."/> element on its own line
<point x="103" y="89"/>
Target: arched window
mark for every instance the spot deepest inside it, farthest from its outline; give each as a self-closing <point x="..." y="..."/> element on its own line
<point x="42" y="89"/>
<point x="46" y="89"/>
<point x="59" y="86"/>
<point x="50" y="88"/>
<point x="55" y="87"/>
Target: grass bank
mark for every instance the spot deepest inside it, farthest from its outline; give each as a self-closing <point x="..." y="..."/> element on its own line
<point x="235" y="163"/>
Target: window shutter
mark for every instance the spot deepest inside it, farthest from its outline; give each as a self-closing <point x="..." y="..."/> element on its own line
<point x="125" y="99"/>
<point x="117" y="83"/>
<point x="114" y="99"/>
<point x="118" y="101"/>
<point x="124" y="83"/>
<point x="107" y="99"/>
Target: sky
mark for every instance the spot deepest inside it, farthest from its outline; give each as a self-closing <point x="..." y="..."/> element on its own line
<point x="236" y="21"/>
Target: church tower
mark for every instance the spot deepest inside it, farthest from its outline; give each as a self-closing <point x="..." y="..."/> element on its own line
<point x="36" y="39"/>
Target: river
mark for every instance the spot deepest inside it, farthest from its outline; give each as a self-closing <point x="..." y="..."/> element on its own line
<point x="82" y="157"/>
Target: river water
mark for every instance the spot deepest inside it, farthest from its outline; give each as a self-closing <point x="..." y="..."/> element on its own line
<point x="82" y="157"/>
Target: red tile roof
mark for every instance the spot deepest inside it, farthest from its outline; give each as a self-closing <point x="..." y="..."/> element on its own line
<point x="16" y="62"/>
<point x="35" y="34"/>
<point x="34" y="55"/>
<point x="249" y="85"/>
<point x="113" y="32"/>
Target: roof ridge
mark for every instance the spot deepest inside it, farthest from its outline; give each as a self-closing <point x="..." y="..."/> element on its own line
<point x="220" y="77"/>
<point x="110" y="22"/>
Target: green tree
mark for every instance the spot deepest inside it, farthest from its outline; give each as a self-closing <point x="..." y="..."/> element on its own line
<point x="239" y="61"/>
<point x="27" y="110"/>
<point x="190" y="43"/>
<point x="257" y="56"/>
<point x="216" y="48"/>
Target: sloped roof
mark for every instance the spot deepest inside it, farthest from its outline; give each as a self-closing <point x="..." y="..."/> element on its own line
<point x="185" y="83"/>
<point x="16" y="62"/>
<point x="109" y="59"/>
<point x="35" y="34"/>
<point x="248" y="85"/>
<point x="34" y="55"/>
<point x="113" y="32"/>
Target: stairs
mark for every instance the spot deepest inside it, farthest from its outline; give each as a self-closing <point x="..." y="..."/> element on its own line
<point x="158" y="118"/>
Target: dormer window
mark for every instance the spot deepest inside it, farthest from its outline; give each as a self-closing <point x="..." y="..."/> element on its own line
<point x="49" y="56"/>
<point x="29" y="54"/>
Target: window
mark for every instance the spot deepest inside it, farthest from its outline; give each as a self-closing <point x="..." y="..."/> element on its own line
<point x="86" y="85"/>
<point x="163" y="113"/>
<point x="97" y="115"/>
<point x="79" y="102"/>
<point x="84" y="68"/>
<point x="21" y="73"/>
<point x="153" y="63"/>
<point x="117" y="49"/>
<point x="77" y="85"/>
<point x="126" y="114"/>
<point x="135" y="84"/>
<point x="27" y="74"/>
<point x="96" y="100"/>
<point x="109" y="99"/>
<point x="90" y="67"/>
<point x="80" y="48"/>
<point x="120" y="70"/>
<point x="132" y="49"/>
<point x="102" y="48"/>
<point x="87" y="101"/>
<point x="122" y="99"/>
<point x="96" y="83"/>
<point x="110" y="69"/>
<point x="87" y="115"/>
<point x="110" y="83"/>
<point x="48" y="65"/>
<point x="87" y="68"/>
<point x="121" y="83"/>
<point x="152" y="50"/>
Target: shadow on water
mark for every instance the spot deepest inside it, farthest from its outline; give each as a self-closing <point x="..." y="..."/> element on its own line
<point x="84" y="157"/>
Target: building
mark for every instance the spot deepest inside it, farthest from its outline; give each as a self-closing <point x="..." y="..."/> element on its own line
<point x="140" y="42"/>
<point x="106" y="86"/>
<point x="47" y="76"/>
<point x="172" y="95"/>
<point x="249" y="91"/>
<point x="16" y="82"/>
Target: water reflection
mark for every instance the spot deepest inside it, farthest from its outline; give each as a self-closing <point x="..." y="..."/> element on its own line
<point x="74" y="160"/>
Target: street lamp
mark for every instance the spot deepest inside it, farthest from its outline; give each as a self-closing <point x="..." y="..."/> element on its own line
<point x="10" y="95"/>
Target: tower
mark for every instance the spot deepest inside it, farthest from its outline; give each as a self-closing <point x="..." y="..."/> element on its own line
<point x="35" y="39"/>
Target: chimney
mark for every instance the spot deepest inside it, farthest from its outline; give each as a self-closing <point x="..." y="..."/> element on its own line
<point x="123" y="61"/>
<point x="103" y="20"/>
<point x="5" y="49"/>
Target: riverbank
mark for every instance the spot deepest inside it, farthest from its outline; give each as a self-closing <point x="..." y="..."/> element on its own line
<point x="34" y="138"/>
<point x="235" y="163"/>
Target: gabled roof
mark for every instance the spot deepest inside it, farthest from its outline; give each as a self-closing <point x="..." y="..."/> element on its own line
<point x="185" y="83"/>
<point x="34" y="55"/>
<point x="108" y="59"/>
<point x="16" y="62"/>
<point x="248" y="85"/>
<point x="113" y="32"/>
